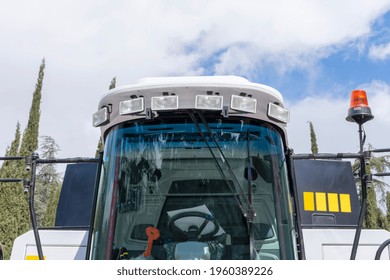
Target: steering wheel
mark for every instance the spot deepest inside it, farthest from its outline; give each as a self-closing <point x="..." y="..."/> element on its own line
<point x="193" y="232"/>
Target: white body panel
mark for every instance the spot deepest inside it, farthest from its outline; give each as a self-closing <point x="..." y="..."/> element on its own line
<point x="56" y="245"/>
<point x="336" y="244"/>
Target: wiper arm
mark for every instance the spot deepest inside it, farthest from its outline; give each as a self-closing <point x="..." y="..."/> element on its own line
<point x="251" y="212"/>
<point x="245" y="206"/>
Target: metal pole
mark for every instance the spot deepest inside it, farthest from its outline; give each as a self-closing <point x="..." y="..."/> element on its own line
<point x="363" y="196"/>
<point x="11" y="158"/>
<point x="327" y="156"/>
<point x="380" y="150"/>
<point x="34" y="158"/>
<point x="10" y="180"/>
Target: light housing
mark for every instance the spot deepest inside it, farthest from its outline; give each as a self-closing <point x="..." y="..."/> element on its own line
<point x="278" y="113"/>
<point x="243" y="104"/>
<point x="359" y="111"/>
<point x="165" y="103"/>
<point x="209" y="102"/>
<point x="101" y="117"/>
<point x="131" y="106"/>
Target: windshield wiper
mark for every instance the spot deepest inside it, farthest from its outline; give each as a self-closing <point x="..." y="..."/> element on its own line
<point x="251" y="211"/>
<point x="242" y="201"/>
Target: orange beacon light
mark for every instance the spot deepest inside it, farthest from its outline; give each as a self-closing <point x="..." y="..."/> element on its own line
<point x="359" y="111"/>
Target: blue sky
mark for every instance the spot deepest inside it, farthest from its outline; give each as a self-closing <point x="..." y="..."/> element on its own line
<point x="315" y="52"/>
<point x="347" y="66"/>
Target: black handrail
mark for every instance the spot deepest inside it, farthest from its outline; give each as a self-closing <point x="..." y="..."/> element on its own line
<point x="31" y="164"/>
<point x="381" y="248"/>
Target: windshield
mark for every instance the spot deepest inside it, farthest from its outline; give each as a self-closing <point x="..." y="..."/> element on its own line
<point x="194" y="189"/>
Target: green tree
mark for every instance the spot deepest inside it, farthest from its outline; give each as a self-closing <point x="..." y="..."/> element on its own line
<point x="8" y="167"/>
<point x="374" y="217"/>
<point x="313" y="139"/>
<point x="47" y="180"/>
<point x="14" y="148"/>
<point x="99" y="147"/>
<point x="51" y="210"/>
<point x="14" y="214"/>
<point x="30" y="135"/>
<point x="9" y="198"/>
<point x="112" y="84"/>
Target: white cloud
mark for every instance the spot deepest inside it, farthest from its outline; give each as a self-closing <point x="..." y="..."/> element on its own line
<point x="155" y="34"/>
<point x="379" y="52"/>
<point x="334" y="133"/>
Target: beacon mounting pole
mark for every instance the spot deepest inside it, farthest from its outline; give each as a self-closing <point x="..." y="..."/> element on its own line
<point x="360" y="112"/>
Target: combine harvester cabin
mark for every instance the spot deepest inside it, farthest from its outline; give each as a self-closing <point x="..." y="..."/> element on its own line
<point x="199" y="168"/>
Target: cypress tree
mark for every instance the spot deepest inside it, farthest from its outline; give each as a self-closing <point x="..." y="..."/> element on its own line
<point x="9" y="198"/>
<point x="14" y="148"/>
<point x="14" y="214"/>
<point x="8" y="167"/>
<point x="51" y="210"/>
<point x="313" y="139"/>
<point x="372" y="215"/>
<point x="30" y="134"/>
<point x="112" y="84"/>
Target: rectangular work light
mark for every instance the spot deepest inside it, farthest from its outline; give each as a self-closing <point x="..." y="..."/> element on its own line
<point x="101" y="117"/>
<point x="165" y="103"/>
<point x="209" y="102"/>
<point x="244" y="104"/>
<point x="131" y="106"/>
<point x="278" y="113"/>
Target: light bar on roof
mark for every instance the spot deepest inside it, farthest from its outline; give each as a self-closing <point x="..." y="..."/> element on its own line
<point x="209" y="102"/>
<point x="131" y="106"/>
<point x="244" y="104"/>
<point x="101" y="117"/>
<point x="165" y="103"/>
<point x="278" y="113"/>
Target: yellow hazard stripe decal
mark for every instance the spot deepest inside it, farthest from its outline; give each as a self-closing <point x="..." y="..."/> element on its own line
<point x="327" y="202"/>
<point x="308" y="198"/>
<point x="34" y="258"/>
<point x="333" y="202"/>
<point x="345" y="203"/>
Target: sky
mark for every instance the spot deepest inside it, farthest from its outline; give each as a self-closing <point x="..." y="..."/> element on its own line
<point x="315" y="52"/>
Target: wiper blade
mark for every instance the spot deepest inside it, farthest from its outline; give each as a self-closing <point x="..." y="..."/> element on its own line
<point x="245" y="206"/>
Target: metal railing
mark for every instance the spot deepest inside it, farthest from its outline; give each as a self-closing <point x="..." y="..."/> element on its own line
<point x="31" y="163"/>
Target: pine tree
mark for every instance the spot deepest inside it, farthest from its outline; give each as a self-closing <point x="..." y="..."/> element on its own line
<point x="313" y="139"/>
<point x="47" y="180"/>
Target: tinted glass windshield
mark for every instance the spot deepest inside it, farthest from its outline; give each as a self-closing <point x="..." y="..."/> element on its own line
<point x="194" y="190"/>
